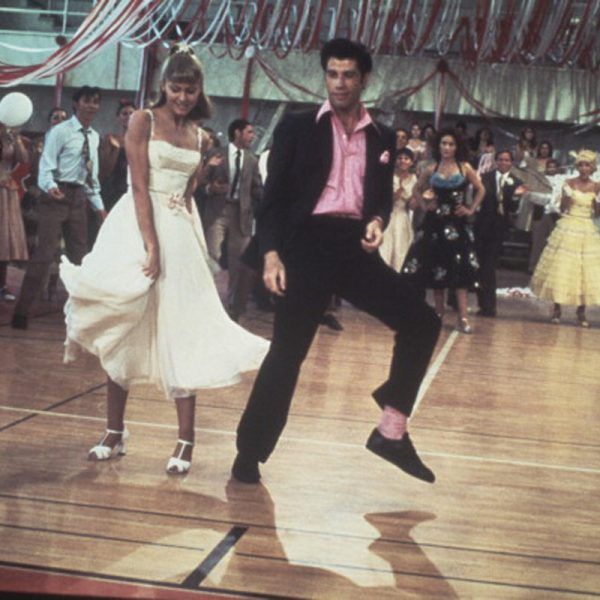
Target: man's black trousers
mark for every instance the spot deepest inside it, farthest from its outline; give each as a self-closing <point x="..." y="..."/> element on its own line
<point x="324" y="258"/>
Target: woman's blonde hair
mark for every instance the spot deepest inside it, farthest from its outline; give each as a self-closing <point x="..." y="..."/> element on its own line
<point x="588" y="156"/>
<point x="182" y="66"/>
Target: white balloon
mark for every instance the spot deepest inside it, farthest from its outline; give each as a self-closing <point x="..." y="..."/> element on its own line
<point x="15" y="109"/>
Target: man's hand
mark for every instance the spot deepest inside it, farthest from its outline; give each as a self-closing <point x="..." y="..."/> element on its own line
<point x="102" y="214"/>
<point x="56" y="194"/>
<point x="522" y="189"/>
<point x="274" y="274"/>
<point x="373" y="236"/>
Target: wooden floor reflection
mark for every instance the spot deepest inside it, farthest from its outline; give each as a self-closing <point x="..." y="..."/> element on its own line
<point x="508" y="421"/>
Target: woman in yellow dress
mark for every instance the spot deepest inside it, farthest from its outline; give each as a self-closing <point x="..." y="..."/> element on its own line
<point x="568" y="271"/>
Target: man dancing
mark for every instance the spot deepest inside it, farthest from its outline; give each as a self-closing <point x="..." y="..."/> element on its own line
<point x="327" y="198"/>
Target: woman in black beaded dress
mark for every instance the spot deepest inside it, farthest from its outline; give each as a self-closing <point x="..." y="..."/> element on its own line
<point x="443" y="255"/>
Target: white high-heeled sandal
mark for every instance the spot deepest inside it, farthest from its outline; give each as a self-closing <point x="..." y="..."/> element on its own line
<point x="176" y="465"/>
<point x="464" y="326"/>
<point x="103" y="452"/>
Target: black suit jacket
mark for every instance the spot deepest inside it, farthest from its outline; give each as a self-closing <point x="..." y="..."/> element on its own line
<point x="299" y="166"/>
<point x="487" y="217"/>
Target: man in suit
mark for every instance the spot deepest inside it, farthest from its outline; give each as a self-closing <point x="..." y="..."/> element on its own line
<point x="68" y="176"/>
<point x="234" y="187"/>
<point x="491" y="225"/>
<point x="328" y="197"/>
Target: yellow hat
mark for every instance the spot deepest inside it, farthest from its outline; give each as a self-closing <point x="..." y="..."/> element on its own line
<point x="588" y="156"/>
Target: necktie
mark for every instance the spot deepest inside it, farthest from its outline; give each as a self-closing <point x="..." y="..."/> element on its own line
<point x="501" y="194"/>
<point x="236" y="173"/>
<point x="86" y="155"/>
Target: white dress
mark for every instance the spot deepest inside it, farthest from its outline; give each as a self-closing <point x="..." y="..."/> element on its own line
<point x="173" y="332"/>
<point x="398" y="235"/>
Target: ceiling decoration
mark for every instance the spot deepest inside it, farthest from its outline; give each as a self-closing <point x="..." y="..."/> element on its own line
<point x="532" y="32"/>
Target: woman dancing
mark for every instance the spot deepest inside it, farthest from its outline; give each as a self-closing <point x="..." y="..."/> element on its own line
<point x="443" y="255"/>
<point x="568" y="271"/>
<point x="144" y="300"/>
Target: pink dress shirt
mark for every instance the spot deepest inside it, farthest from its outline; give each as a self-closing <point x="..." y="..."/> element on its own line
<point x="343" y="192"/>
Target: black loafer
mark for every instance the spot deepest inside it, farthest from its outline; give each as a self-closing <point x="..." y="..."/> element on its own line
<point x="401" y="453"/>
<point x="244" y="470"/>
<point x="18" y="322"/>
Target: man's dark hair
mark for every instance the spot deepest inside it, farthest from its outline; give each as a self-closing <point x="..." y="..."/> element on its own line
<point x="235" y="125"/>
<point x="552" y="161"/>
<point x="343" y="48"/>
<point x="461" y="155"/>
<point x="504" y="151"/>
<point x="86" y="91"/>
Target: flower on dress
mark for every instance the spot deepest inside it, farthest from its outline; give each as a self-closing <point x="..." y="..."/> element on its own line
<point x="384" y="159"/>
<point x="439" y="273"/>
<point x="451" y="233"/>
<point x="176" y="202"/>
<point x="473" y="260"/>
<point x="411" y="267"/>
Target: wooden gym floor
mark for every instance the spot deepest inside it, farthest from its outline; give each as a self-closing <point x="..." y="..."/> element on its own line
<point x="508" y="419"/>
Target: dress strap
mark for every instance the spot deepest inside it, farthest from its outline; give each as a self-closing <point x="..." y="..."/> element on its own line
<point x="149" y="112"/>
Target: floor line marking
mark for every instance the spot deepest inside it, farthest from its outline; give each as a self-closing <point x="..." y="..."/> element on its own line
<point x="284" y="438"/>
<point x="201" y="572"/>
<point x="51" y="407"/>
<point x="434" y="368"/>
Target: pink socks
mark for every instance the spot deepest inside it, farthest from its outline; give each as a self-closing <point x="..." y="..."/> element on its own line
<point x="392" y="424"/>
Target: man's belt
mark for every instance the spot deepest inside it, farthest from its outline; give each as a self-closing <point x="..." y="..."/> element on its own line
<point x="70" y="184"/>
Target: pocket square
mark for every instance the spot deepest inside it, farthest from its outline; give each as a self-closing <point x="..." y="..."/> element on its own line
<point x="384" y="159"/>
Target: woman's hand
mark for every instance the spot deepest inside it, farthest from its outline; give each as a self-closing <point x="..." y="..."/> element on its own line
<point x="463" y="211"/>
<point x="565" y="203"/>
<point x="114" y="141"/>
<point x="151" y="267"/>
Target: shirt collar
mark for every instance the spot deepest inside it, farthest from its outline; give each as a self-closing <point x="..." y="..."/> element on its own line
<point x="76" y="124"/>
<point x="233" y="149"/>
<point x="364" y="120"/>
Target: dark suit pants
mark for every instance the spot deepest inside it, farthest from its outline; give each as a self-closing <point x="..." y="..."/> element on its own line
<point x="66" y="217"/>
<point x="488" y="245"/>
<point x="322" y="259"/>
